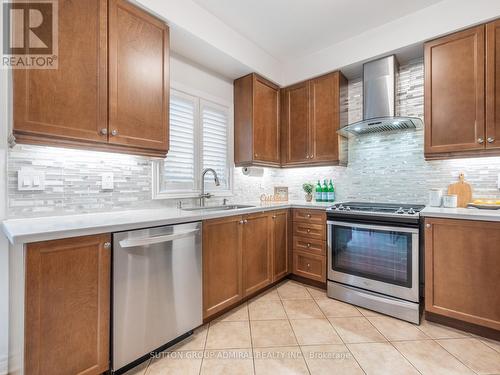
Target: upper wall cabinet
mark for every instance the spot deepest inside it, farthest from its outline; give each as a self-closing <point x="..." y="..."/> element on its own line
<point x="256" y="122"/>
<point x="71" y="107"/>
<point x="312" y="112"/>
<point x="458" y="89"/>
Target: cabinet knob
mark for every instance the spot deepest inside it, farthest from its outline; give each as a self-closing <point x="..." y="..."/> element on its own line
<point x="308" y="216"/>
<point x="104" y="131"/>
<point x="480" y="141"/>
<point x="308" y="245"/>
<point x="307" y="156"/>
<point x="427" y="225"/>
<point x="491" y="139"/>
<point x="274" y="216"/>
<point x="245" y="221"/>
<point x="308" y="231"/>
<point x="114" y="132"/>
<point x="241" y="221"/>
<point x="107" y="245"/>
<point x="308" y="265"/>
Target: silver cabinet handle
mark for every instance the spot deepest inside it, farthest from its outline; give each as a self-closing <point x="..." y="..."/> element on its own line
<point x="307" y="156"/>
<point x="107" y="245"/>
<point x="245" y="221"/>
<point x="308" y="245"/>
<point x="308" y="216"/>
<point x="104" y="131"/>
<point x="427" y="225"/>
<point x="308" y="265"/>
<point x="308" y="231"/>
<point x="274" y="216"/>
<point x="114" y="132"/>
<point x="491" y="139"/>
<point x="133" y="242"/>
<point x="480" y="141"/>
<point x="241" y="222"/>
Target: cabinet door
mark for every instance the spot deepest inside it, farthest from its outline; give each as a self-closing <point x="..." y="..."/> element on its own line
<point x="67" y="306"/>
<point x="493" y="85"/>
<point x="266" y="126"/>
<point x="280" y="244"/>
<point x="138" y="78"/>
<point x="296" y="133"/>
<point x="69" y="102"/>
<point x="257" y="236"/>
<point x="462" y="265"/>
<point x="222" y="276"/>
<point x="454" y="93"/>
<point x="325" y="117"/>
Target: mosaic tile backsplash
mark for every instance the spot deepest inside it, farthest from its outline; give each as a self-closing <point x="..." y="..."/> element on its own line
<point x="386" y="167"/>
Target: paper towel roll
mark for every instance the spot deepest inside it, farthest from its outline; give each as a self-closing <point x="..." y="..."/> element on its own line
<point x="253" y="171"/>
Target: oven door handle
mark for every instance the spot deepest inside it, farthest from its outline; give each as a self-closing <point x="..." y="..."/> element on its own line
<point x="373" y="227"/>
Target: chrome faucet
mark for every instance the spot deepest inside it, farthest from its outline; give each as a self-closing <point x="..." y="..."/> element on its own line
<point x="204" y="195"/>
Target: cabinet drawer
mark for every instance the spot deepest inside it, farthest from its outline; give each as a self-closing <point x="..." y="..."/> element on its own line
<point x="313" y="231"/>
<point x="309" y="245"/>
<point x="311" y="266"/>
<point x="309" y="216"/>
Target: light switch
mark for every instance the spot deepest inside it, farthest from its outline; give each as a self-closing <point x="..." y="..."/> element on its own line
<point x="29" y="179"/>
<point x="107" y="182"/>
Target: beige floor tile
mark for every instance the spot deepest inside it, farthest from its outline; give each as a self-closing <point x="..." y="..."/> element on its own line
<point x="176" y="363"/>
<point x="139" y="370"/>
<point x="381" y="359"/>
<point x="317" y="293"/>
<point x="315" y="332"/>
<point x="334" y="308"/>
<point x="270" y="294"/>
<point x="356" y="330"/>
<point x="302" y="309"/>
<point x="431" y="359"/>
<point x="394" y="329"/>
<point x="239" y="313"/>
<point x="194" y="342"/>
<point x="229" y="361"/>
<point x="279" y="361"/>
<point x="228" y="335"/>
<point x="269" y="333"/>
<point x="491" y="343"/>
<point x="367" y="312"/>
<point x="266" y="310"/>
<point x="473" y="353"/>
<point x="438" y="331"/>
<point x="293" y="290"/>
<point x="330" y="359"/>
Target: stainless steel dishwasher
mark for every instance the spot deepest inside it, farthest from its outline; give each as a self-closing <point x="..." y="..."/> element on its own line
<point x="157" y="290"/>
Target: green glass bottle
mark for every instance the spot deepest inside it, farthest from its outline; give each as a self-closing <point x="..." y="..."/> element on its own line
<point x="331" y="192"/>
<point x="318" y="192"/>
<point x="324" y="192"/>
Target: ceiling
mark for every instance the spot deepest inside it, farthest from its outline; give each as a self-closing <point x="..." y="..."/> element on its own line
<point x="289" y="29"/>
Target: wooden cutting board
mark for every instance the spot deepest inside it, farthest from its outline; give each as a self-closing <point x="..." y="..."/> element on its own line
<point x="462" y="190"/>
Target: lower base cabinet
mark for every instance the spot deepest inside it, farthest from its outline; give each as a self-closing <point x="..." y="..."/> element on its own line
<point x="241" y="256"/>
<point x="462" y="270"/>
<point x="310" y="266"/>
<point x="67" y="306"/>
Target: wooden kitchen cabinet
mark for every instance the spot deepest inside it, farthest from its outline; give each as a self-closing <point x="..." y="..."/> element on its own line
<point x="256" y="122"/>
<point x="138" y="78"/>
<point x="67" y="306"/>
<point x="493" y="85"/>
<point x="102" y="45"/>
<point x="257" y="252"/>
<point x="462" y="263"/>
<point x="222" y="264"/>
<point x="280" y="240"/>
<point x="312" y="112"/>
<point x="309" y="266"/>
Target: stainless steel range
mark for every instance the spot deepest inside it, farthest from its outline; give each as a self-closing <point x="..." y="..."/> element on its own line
<point x="373" y="257"/>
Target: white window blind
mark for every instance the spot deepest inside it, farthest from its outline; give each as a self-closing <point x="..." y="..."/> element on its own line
<point x="214" y="120"/>
<point x="179" y="166"/>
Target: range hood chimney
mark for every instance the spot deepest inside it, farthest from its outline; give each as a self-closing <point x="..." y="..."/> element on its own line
<point x="379" y="101"/>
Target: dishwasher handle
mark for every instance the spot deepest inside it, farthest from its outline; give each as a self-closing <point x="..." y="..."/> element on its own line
<point x="134" y="242"/>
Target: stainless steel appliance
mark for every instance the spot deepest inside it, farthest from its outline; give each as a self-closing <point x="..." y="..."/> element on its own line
<point x="157" y="290"/>
<point x="373" y="257"/>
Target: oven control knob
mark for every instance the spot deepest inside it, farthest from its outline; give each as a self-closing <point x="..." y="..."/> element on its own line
<point x="400" y="211"/>
<point x="348" y="208"/>
<point x="411" y="211"/>
<point x="341" y="208"/>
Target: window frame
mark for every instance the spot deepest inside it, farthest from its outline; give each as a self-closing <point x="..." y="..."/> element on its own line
<point x="158" y="165"/>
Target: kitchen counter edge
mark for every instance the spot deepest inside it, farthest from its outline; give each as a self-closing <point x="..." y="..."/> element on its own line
<point x="461" y="213"/>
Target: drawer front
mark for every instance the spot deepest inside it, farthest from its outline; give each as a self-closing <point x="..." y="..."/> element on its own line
<point x="309" y="245"/>
<point x="309" y="216"/>
<point x="313" y="231"/>
<point x="310" y="266"/>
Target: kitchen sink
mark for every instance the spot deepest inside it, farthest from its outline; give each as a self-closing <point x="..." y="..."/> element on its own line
<point x="219" y="208"/>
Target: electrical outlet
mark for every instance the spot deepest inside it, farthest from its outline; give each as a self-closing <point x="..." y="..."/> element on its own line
<point x="107" y="182"/>
<point x="29" y="179"/>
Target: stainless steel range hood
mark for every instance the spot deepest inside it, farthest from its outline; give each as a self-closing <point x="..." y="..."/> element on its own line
<point x="379" y="101"/>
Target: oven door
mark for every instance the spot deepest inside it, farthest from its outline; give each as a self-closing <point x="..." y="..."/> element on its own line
<point x="379" y="258"/>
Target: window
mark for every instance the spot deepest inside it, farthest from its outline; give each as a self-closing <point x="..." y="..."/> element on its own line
<point x="200" y="137"/>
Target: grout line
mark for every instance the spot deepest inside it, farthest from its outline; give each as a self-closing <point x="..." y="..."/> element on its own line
<point x="251" y="339"/>
<point x="400" y="353"/>
<point x="453" y="355"/>
<point x="204" y="348"/>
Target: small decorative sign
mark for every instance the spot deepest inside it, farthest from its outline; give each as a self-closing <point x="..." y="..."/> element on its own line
<point x="281" y="192"/>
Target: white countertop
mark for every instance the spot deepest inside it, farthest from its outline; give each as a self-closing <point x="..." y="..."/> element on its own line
<point x="28" y="230"/>
<point x="461" y="213"/>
